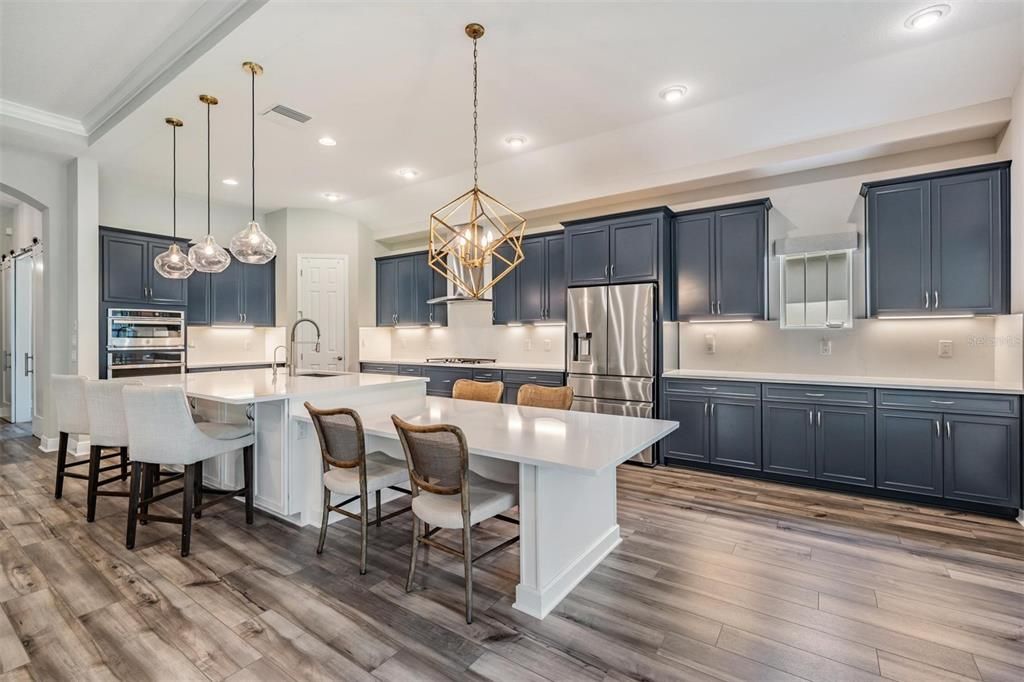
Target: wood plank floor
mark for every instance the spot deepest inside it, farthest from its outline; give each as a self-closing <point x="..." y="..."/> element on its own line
<point x="718" y="578"/>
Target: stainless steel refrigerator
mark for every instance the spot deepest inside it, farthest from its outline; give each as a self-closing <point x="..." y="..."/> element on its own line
<point x="610" y="351"/>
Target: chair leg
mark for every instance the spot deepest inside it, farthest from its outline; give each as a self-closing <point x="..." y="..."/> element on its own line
<point x="250" y="491"/>
<point x="364" y="513"/>
<point x="412" y="555"/>
<point x="197" y="498"/>
<point x="124" y="463"/>
<point x="62" y="462"/>
<point x="467" y="558"/>
<point x="147" y="489"/>
<point x="323" y="523"/>
<point x="94" y="477"/>
<point x="186" y="508"/>
<point x="378" y="509"/>
<point x="133" y="504"/>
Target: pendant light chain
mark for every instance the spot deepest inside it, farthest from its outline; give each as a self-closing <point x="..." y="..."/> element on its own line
<point x="254" y="145"/>
<point x="475" y="144"/>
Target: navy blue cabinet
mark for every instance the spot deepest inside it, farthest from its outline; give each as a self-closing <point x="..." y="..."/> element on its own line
<point x="503" y="293"/>
<point x="909" y="452"/>
<point x="615" y="249"/>
<point x="554" y="246"/>
<point x="198" y="310"/>
<point x="844" y="447"/>
<point x="259" y="292"/>
<point x="690" y="441"/>
<point x="387" y="292"/>
<point x="404" y="285"/>
<point x="719" y="423"/>
<point x="939" y="243"/>
<point x="719" y="261"/>
<point x="981" y="459"/>
<point x="535" y="290"/>
<point x="243" y="294"/>
<point x="735" y="433"/>
<point x="516" y="379"/>
<point x="789" y="438"/>
<point x="128" y="277"/>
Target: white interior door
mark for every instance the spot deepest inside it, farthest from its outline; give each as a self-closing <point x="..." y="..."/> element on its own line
<point x="323" y="298"/>
<point x="6" y="339"/>
<point x="22" y="360"/>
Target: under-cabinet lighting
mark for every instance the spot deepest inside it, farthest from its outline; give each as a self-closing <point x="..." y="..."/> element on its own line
<point x="952" y="316"/>
<point x="730" y="320"/>
<point x="548" y="324"/>
<point x="514" y="324"/>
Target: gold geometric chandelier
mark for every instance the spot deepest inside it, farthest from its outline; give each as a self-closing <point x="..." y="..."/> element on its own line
<point x="475" y="228"/>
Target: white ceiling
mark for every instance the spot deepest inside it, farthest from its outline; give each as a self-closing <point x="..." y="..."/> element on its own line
<point x="391" y="81"/>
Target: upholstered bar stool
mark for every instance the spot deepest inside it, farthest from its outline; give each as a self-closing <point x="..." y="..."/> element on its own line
<point x="73" y="418"/>
<point x="532" y="395"/>
<point x="349" y="470"/>
<point x="161" y="432"/>
<point x="445" y="494"/>
<point x="482" y="391"/>
<point x="104" y="402"/>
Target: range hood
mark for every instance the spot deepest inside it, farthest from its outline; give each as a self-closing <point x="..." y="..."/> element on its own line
<point x="455" y="293"/>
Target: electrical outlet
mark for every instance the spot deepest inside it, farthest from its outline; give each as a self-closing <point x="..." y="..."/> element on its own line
<point x="945" y="349"/>
<point x="825" y="347"/>
<point x="710" y="344"/>
<point x="547" y="345"/>
<point x="529" y="344"/>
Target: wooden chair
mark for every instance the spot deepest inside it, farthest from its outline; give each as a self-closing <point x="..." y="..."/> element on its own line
<point x="445" y="494"/>
<point x="532" y="395"/>
<point x="349" y="470"/>
<point x="481" y="391"/>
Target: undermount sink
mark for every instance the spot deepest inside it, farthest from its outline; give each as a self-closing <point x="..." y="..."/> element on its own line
<point x="322" y="374"/>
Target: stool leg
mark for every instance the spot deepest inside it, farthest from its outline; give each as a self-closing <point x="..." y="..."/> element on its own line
<point x="186" y="508"/>
<point x="467" y="558"/>
<point x="323" y="523"/>
<point x="124" y="464"/>
<point x="250" y="492"/>
<point x="199" y="488"/>
<point x="133" y="504"/>
<point x="94" y="477"/>
<point x="62" y="462"/>
<point x="412" y="554"/>
<point x="147" y="490"/>
<point x="378" y="509"/>
<point x="364" y="513"/>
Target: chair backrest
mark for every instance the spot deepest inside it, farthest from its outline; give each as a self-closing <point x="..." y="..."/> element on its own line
<point x="481" y="391"/>
<point x="340" y="430"/>
<point x="105" y="405"/>
<point x="160" y="425"/>
<point x="556" y="398"/>
<point x="436" y="455"/>
<point x="69" y="395"/>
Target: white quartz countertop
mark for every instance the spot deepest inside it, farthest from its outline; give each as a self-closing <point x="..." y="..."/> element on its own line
<point x="236" y="363"/>
<point x="528" y="367"/>
<point x="240" y="387"/>
<point x="579" y="441"/>
<point x="877" y="382"/>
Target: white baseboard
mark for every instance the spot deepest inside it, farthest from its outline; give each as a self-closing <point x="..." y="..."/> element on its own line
<point x="75" y="447"/>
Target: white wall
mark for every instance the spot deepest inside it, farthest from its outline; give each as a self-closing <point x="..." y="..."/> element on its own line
<point x="1012" y="147"/>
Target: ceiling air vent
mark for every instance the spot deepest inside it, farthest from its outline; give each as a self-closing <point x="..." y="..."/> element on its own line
<point x="279" y="113"/>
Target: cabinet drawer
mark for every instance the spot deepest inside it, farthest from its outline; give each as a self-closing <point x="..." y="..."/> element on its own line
<point x="965" y="403"/>
<point x="410" y="370"/>
<point x="839" y="395"/>
<point x="376" y="368"/>
<point x="541" y="378"/>
<point x="735" y="389"/>
<point x="487" y="375"/>
<point x="442" y="379"/>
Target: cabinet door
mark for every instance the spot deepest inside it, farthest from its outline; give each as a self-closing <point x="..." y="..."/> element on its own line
<point x="226" y="295"/>
<point x="423" y="288"/>
<point x="789" y="439"/>
<point x="967" y="243"/>
<point x="740" y="261"/>
<point x="845" y="445"/>
<point x="555" y="261"/>
<point x="258" y="293"/>
<point x="198" y="311"/>
<point x="438" y="312"/>
<point x="899" y="247"/>
<point x="735" y="433"/>
<point x="506" y="307"/>
<point x="387" y="292"/>
<point x="908" y="448"/>
<point x="635" y="250"/>
<point x="125" y="268"/>
<point x="531" y="281"/>
<point x="588" y="258"/>
<point x="693" y="260"/>
<point x="405" y="304"/>
<point x="690" y="441"/>
<point x="982" y="460"/>
<point x="161" y="289"/>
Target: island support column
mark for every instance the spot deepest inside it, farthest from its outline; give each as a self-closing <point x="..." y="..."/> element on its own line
<point x="568" y="523"/>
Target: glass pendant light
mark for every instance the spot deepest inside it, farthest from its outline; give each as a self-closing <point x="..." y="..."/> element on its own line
<point x="252" y="245"/>
<point x="206" y="254"/>
<point x="172" y="263"/>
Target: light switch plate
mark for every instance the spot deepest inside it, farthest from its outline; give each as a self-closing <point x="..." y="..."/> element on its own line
<point x="529" y="344"/>
<point x="710" y="344"/>
<point x="547" y="345"/>
<point x="945" y="349"/>
<point x="825" y="347"/>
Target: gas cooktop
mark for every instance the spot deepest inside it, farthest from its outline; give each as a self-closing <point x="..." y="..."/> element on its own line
<point x="463" y="361"/>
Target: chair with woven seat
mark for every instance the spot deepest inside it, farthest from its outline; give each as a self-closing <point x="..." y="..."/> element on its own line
<point x="556" y="398"/>
<point x="350" y="470"/>
<point x="73" y="418"/>
<point x="161" y="431"/>
<point x="446" y="495"/>
<point x="481" y="391"/>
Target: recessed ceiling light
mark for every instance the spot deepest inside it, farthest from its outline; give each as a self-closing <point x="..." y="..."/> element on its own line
<point x="407" y="173"/>
<point x="673" y="93"/>
<point x="230" y="181"/>
<point x="327" y="141"/>
<point x="926" y="18"/>
<point x="331" y="196"/>
<point x="516" y="141"/>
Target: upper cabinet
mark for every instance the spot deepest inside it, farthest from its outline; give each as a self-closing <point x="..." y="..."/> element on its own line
<point x="614" y="250"/>
<point x="939" y="243"/>
<point x="128" y="277"/>
<point x="243" y="294"/>
<point x="535" y="290"/>
<point x="719" y="259"/>
<point x="404" y="284"/>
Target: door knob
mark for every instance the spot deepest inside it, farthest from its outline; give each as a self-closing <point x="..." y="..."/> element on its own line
<point x="340" y="358"/>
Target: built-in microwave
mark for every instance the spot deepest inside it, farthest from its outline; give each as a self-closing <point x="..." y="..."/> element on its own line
<point x="145" y="342"/>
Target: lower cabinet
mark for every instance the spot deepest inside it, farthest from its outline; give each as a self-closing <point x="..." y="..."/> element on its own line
<point x="690" y="441"/>
<point x="981" y="459"/>
<point x="909" y="454"/>
<point x="442" y="379"/>
<point x="844" y="445"/>
<point x="735" y="433"/>
<point x="789" y="439"/>
<point x="516" y="379"/>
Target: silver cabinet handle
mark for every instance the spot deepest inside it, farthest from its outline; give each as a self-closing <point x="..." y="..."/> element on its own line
<point x="613" y="269"/>
<point x="926" y="300"/>
<point x="810" y="417"/>
<point x="944" y="402"/>
<point x="949" y="430"/>
<point x="710" y="388"/>
<point x="819" y="418"/>
<point x="712" y="409"/>
<point x="938" y="432"/>
<point x="606" y="271"/>
<point x="705" y="408"/>
<point x="815" y="395"/>
<point x="935" y="297"/>
<point x="430" y="317"/>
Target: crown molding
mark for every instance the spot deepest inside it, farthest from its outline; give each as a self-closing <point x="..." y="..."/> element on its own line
<point x="39" y="117"/>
